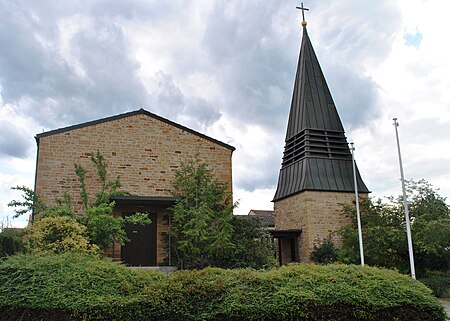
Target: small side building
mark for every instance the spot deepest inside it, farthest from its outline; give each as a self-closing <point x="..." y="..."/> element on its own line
<point x="316" y="174"/>
<point x="142" y="148"/>
<point x="266" y="217"/>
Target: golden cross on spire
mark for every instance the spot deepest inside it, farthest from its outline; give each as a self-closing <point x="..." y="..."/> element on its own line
<point x="303" y="9"/>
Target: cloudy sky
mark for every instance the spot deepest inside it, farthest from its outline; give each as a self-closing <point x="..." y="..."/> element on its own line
<point x="226" y="68"/>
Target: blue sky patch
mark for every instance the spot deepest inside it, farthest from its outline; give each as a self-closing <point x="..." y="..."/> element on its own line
<point x="413" y="39"/>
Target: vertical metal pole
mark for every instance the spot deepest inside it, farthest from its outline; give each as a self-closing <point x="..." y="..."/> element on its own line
<point x="405" y="205"/>
<point x="170" y="239"/>
<point x="358" y="215"/>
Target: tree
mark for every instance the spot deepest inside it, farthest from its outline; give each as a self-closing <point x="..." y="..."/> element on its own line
<point x="253" y="245"/>
<point x="30" y="202"/>
<point x="384" y="231"/>
<point x="201" y="228"/>
<point x="204" y="231"/>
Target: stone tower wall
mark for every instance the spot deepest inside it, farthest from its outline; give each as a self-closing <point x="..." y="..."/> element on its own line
<point x="318" y="214"/>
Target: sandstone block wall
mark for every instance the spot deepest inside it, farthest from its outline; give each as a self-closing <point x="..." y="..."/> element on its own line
<point x="142" y="150"/>
<point x="317" y="213"/>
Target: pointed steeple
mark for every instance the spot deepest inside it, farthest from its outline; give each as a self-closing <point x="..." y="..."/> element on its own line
<point x="316" y="154"/>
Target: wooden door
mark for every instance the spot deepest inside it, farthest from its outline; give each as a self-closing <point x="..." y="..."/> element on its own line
<point x="141" y="249"/>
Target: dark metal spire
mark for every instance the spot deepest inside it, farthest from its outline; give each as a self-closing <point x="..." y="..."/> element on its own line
<point x="316" y="154"/>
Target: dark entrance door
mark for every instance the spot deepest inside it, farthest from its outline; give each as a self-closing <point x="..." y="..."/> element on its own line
<point x="141" y="249"/>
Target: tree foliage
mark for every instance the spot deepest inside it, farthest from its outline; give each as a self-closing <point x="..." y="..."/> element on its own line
<point x="30" y="202"/>
<point x="384" y="231"/>
<point x="254" y="247"/>
<point x="201" y="227"/>
<point x="204" y="231"/>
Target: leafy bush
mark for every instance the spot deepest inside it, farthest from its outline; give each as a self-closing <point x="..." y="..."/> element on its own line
<point x="66" y="286"/>
<point x="10" y="242"/>
<point x="325" y="252"/>
<point x="59" y="234"/>
<point x="254" y="247"/>
<point x="76" y="287"/>
<point x="439" y="283"/>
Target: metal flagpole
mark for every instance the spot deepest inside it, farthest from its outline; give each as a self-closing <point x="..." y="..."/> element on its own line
<point x="358" y="215"/>
<point x="405" y="205"/>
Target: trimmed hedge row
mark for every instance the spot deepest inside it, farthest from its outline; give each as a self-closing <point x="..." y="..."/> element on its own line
<point x="75" y="287"/>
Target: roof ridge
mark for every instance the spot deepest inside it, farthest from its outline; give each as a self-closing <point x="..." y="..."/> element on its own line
<point x="140" y="111"/>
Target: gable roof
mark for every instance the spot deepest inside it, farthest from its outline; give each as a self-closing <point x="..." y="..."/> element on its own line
<point x="316" y="153"/>
<point x="260" y="212"/>
<point x="266" y="217"/>
<point x="129" y="114"/>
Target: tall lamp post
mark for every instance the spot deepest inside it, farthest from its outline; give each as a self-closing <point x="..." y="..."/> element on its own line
<point x="405" y="205"/>
<point x="358" y="215"/>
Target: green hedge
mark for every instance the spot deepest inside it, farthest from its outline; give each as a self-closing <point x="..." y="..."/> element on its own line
<point x="75" y="287"/>
<point x="438" y="282"/>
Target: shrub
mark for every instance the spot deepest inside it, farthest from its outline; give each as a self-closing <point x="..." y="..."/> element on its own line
<point x="10" y="242"/>
<point x="59" y="234"/>
<point x="325" y="252"/>
<point x="438" y="282"/>
<point x="66" y="286"/>
<point x="254" y="247"/>
<point x="77" y="287"/>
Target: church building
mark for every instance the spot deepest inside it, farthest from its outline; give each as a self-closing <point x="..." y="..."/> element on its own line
<point x="144" y="150"/>
<point x="316" y="173"/>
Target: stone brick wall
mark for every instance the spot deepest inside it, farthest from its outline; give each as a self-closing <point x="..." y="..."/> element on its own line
<point x="142" y="150"/>
<point x="317" y="213"/>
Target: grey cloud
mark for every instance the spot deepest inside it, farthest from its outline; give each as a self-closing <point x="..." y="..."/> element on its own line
<point x="426" y="168"/>
<point x="256" y="174"/>
<point x="425" y="129"/>
<point x="356" y="96"/>
<point x="243" y="46"/>
<point x="54" y="93"/>
<point x="265" y="179"/>
<point x="43" y="82"/>
<point x="167" y="98"/>
<point x="111" y="81"/>
<point x="361" y="33"/>
<point x="13" y="141"/>
<point x="169" y="101"/>
<point x="200" y="113"/>
<point x="152" y="11"/>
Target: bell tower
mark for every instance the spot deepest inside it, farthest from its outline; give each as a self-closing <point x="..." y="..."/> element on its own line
<point x="316" y="174"/>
